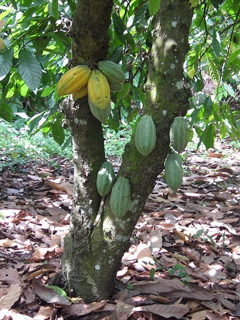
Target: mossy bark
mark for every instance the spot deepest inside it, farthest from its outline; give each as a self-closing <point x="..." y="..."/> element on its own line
<point x="92" y="253"/>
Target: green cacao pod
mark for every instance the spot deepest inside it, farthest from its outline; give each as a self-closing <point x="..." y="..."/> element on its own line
<point x="101" y="114"/>
<point x="115" y="86"/>
<point x="105" y="179"/>
<point x="173" y="171"/>
<point x="179" y="134"/>
<point x="112" y="71"/>
<point x="145" y="135"/>
<point x="120" y="199"/>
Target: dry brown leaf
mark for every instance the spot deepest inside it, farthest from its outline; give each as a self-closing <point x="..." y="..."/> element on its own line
<point x="82" y="309"/>
<point x="13" y="315"/>
<point x="7" y="243"/>
<point x="10" y="276"/>
<point x="161" y="286"/>
<point x="142" y="251"/>
<point x="44" y="313"/>
<point x="180" y="257"/>
<point x="166" y="311"/>
<point x="123" y="311"/>
<point x="49" y="295"/>
<point x="159" y="298"/>
<point x="11" y="297"/>
<point x="64" y="186"/>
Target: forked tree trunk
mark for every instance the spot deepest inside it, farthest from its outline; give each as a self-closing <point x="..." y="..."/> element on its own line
<point x="92" y="254"/>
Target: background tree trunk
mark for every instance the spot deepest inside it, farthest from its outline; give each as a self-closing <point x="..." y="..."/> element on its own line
<point x="92" y="254"/>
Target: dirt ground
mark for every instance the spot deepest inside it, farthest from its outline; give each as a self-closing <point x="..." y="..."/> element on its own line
<point x="184" y="259"/>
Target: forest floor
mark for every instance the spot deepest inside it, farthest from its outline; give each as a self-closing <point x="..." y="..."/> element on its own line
<point x="184" y="259"/>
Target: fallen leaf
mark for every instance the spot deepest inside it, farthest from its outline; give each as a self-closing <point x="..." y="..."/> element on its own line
<point x="166" y="311"/>
<point x="82" y="309"/>
<point x="7" y="301"/>
<point x="49" y="295"/>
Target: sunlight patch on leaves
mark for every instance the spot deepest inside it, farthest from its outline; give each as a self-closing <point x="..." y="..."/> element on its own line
<point x="193" y="3"/>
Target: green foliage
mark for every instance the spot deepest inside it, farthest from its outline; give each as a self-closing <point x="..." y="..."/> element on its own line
<point x="38" y="48"/>
<point x="37" y="52"/>
<point x="115" y="141"/>
<point x="179" y="270"/>
<point x="18" y="148"/>
<point x="213" y="67"/>
<point x="203" y="234"/>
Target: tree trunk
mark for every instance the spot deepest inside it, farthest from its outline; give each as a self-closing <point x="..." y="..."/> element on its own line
<point x="92" y="253"/>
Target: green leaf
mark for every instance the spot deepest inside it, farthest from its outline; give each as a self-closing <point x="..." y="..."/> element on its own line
<point x="6" y="112"/>
<point x="53" y="9"/>
<point x="191" y="72"/>
<point x="194" y="3"/>
<point x="208" y="107"/>
<point x="213" y="70"/>
<point x="124" y="92"/>
<point x="216" y="43"/>
<point x="6" y="60"/>
<point x="153" y="6"/>
<point x="2" y="216"/>
<point x="140" y="13"/>
<point x="209" y="136"/>
<point x="217" y="3"/>
<point x="198" y="234"/>
<point x="229" y="89"/>
<point x="13" y="2"/>
<point x="116" y="56"/>
<point x="29" y="69"/>
<point x="5" y="13"/>
<point x="47" y="91"/>
<point x="233" y="57"/>
<point x="152" y="273"/>
<point x="119" y="26"/>
<point x="58" y="132"/>
<point x="221" y="92"/>
<point x="235" y="5"/>
<point x="130" y="40"/>
<point x="58" y="291"/>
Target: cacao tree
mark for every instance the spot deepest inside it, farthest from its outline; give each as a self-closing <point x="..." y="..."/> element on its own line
<point x="94" y="247"/>
<point x="150" y="39"/>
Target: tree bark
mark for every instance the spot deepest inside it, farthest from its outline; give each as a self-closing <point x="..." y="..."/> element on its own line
<point x="92" y="253"/>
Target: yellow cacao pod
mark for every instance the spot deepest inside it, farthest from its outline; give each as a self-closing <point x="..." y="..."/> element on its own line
<point x="80" y="93"/>
<point x="98" y="90"/>
<point x="73" y="80"/>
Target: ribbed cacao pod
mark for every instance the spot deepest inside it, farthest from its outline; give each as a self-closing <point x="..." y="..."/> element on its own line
<point x="105" y="179"/>
<point x="112" y="71"/>
<point x="73" y="80"/>
<point x="101" y="114"/>
<point x="115" y="86"/>
<point x="120" y="199"/>
<point x="179" y="134"/>
<point x="98" y="89"/>
<point x="145" y="135"/>
<point x="173" y="171"/>
<point x="80" y="93"/>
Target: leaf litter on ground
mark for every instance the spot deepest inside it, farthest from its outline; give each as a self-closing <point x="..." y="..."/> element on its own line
<point x="184" y="258"/>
